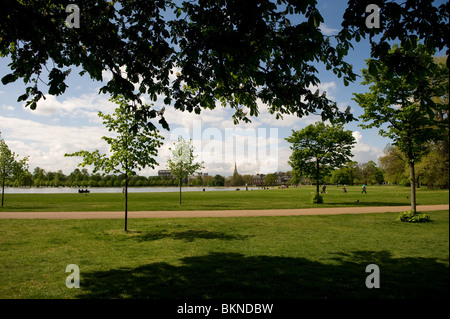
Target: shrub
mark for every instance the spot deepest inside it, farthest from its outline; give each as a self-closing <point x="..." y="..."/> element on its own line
<point x="410" y="217"/>
<point x="316" y="199"/>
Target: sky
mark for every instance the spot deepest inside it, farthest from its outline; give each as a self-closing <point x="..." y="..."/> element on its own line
<point x="68" y="123"/>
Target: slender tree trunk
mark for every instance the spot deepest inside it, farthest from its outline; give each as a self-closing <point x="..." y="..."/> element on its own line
<point x="413" y="186"/>
<point x="181" y="181"/>
<point x="317" y="176"/>
<point x="3" y="190"/>
<point x="126" y="201"/>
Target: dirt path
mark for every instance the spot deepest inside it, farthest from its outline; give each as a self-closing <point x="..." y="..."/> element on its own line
<point x="215" y="213"/>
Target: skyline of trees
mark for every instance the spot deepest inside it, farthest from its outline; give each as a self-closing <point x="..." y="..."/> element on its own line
<point x="350" y="174"/>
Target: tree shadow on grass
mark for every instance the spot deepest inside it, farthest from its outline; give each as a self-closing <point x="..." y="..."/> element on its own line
<point x="232" y="275"/>
<point x="188" y="235"/>
<point x="364" y="203"/>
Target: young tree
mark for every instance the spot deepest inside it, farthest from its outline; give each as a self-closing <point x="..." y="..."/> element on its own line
<point x="181" y="164"/>
<point x="318" y="148"/>
<point x="133" y="148"/>
<point x="10" y="165"/>
<point x="401" y="98"/>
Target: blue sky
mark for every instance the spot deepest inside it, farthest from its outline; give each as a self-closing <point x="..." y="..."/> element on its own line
<point x="68" y="123"/>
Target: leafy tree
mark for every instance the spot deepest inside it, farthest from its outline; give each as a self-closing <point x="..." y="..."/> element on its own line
<point x="218" y="180"/>
<point x="237" y="180"/>
<point x="401" y="97"/>
<point x="340" y="176"/>
<point x="353" y="171"/>
<point x="319" y="148"/>
<point x="10" y="165"/>
<point x="370" y="173"/>
<point x="270" y="179"/>
<point x="134" y="147"/>
<point x="248" y="179"/>
<point x="402" y="22"/>
<point x="434" y="167"/>
<point x="394" y="164"/>
<point x="181" y="163"/>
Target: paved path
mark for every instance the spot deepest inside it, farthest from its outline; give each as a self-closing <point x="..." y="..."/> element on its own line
<point x="215" y="213"/>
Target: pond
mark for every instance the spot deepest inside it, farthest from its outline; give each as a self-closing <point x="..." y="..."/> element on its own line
<point x="69" y="190"/>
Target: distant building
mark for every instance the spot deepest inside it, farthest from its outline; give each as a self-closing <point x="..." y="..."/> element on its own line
<point x="165" y="173"/>
<point x="191" y="177"/>
<point x="258" y="179"/>
<point x="282" y="178"/>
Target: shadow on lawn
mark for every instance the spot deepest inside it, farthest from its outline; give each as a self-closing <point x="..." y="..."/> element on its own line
<point x="231" y="275"/>
<point x="364" y="203"/>
<point x="188" y="235"/>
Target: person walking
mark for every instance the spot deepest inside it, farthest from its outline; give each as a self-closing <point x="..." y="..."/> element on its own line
<point x="364" y="189"/>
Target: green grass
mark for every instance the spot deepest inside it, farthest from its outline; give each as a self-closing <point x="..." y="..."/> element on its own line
<point x="244" y="257"/>
<point x="209" y="200"/>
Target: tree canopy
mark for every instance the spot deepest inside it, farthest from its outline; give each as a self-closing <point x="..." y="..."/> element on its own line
<point x="181" y="163"/>
<point x="130" y="150"/>
<point x="319" y="148"/>
<point x="403" y="103"/>
<point x="229" y="51"/>
<point x="232" y="52"/>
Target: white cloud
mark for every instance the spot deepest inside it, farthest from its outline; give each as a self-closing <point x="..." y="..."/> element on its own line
<point x="327" y="30"/>
<point x="47" y="144"/>
<point x="84" y="107"/>
<point x="364" y="152"/>
<point x="8" y="107"/>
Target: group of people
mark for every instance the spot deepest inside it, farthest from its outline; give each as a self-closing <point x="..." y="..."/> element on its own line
<point x="324" y="187"/>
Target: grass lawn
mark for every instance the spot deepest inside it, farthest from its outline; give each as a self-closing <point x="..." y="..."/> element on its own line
<point x="242" y="257"/>
<point x="221" y="200"/>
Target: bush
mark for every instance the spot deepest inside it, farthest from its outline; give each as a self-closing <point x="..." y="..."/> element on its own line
<point x="410" y="217"/>
<point x="316" y="199"/>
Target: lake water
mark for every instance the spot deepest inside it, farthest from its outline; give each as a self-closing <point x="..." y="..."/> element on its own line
<point x="74" y="190"/>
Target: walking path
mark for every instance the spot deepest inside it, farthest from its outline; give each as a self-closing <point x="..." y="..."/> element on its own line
<point x="216" y="213"/>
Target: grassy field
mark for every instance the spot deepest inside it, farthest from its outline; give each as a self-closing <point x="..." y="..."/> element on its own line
<point x="286" y="257"/>
<point x="245" y="257"/>
<point x="208" y="200"/>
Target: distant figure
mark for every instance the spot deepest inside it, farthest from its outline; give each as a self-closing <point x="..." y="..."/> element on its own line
<point x="344" y="189"/>
<point x="324" y="187"/>
<point x="364" y="189"/>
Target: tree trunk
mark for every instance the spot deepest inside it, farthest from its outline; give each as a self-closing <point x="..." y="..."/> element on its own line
<point x="3" y="190"/>
<point x="317" y="176"/>
<point x="181" y="181"/>
<point x="126" y="201"/>
<point x="413" y="186"/>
